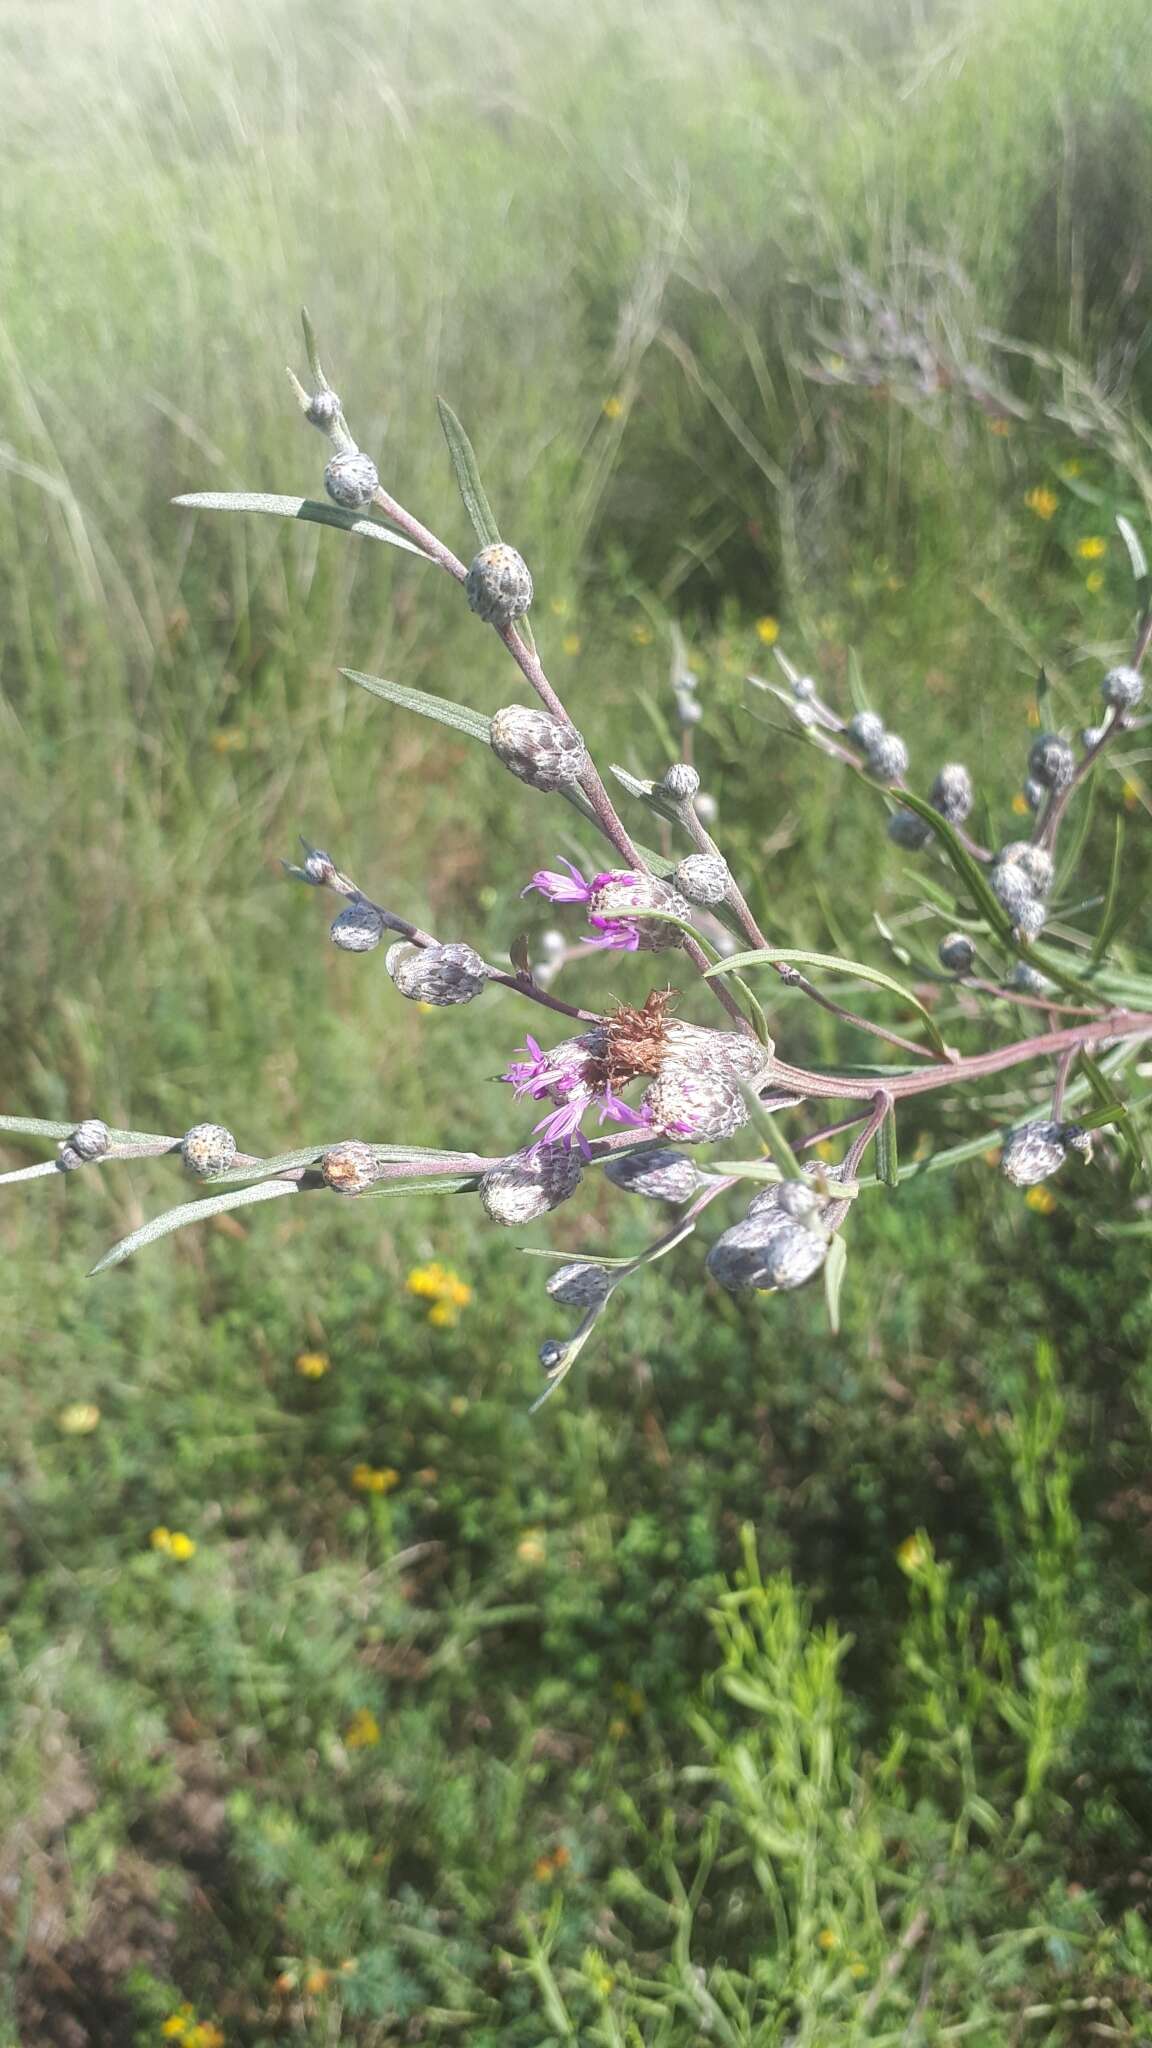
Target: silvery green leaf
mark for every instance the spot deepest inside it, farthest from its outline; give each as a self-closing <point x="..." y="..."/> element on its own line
<point x="887" y="1156"/>
<point x="191" y="1212"/>
<point x="835" y="965"/>
<point x="37" y="1172"/>
<point x="312" y="352"/>
<point x="1131" y="540"/>
<point x="308" y="1155"/>
<point x="648" y="792"/>
<point x="309" y="509"/>
<point x="459" y="716"/>
<point x="468" y="476"/>
<point x="36" y="1127"/>
<point x="834" y="1266"/>
<point x="426" y="1184"/>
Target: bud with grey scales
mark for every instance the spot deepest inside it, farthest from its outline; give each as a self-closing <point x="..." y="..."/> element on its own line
<point x="660" y="1176"/>
<point x="527" y="1185"/>
<point x="351" y="480"/>
<point x="499" y="585"/>
<point x="1030" y="920"/>
<point x="888" y="759"/>
<point x="323" y="410"/>
<point x="579" y="1286"/>
<point x="1051" y="761"/>
<point x="1122" y="688"/>
<point x="956" y="952"/>
<point x="1035" y="794"/>
<point x="358" y="929"/>
<point x="622" y="902"/>
<point x="867" y="729"/>
<point x="88" y="1142"/>
<point x="952" y="793"/>
<point x="703" y="878"/>
<point x="350" y="1168"/>
<point x="537" y="748"/>
<point x="1035" y="1152"/>
<point x="207" y="1150"/>
<point x="1035" y="862"/>
<point x="440" y="975"/>
<point x="703" y="1107"/>
<point x="680" y="782"/>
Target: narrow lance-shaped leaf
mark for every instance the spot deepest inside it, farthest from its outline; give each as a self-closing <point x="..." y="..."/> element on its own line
<point x="887" y="1156"/>
<point x="468" y="476"/>
<point x="834" y="1268"/>
<point x="459" y="716"/>
<point x="309" y="1155"/>
<point x="858" y="969"/>
<point x="192" y="1212"/>
<point x="311" y="510"/>
<point x="1113" y="910"/>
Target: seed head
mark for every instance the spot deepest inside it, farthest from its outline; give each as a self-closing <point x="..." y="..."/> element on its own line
<point x="525" y="1186"/>
<point x="680" y="782"/>
<point x="538" y="748"/>
<point x="440" y="975"/>
<point x="499" y="585"/>
<point x="1122" y="688"/>
<point x="323" y="410"/>
<point x="696" y="1104"/>
<point x="350" y="1168"/>
<point x="357" y="929"/>
<point x="703" y="878"/>
<point x="1033" y="1154"/>
<point x="888" y="759"/>
<point x="1051" y="761"/>
<point x="208" y="1150"/>
<point x="579" y="1286"/>
<point x="867" y="729"/>
<point x="907" y="829"/>
<point x="956" y="953"/>
<point x="351" y="479"/>
<point x="623" y="899"/>
<point x="952" y="794"/>
<point x="90" y="1140"/>
<point x="661" y="1176"/>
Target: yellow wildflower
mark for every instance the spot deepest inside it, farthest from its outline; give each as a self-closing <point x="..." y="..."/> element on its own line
<point x="1091" y="549"/>
<point x="443" y="1315"/>
<point x="363" y="1730"/>
<point x="1020" y="805"/>
<point x="1070" y="469"/>
<point x="316" y="1981"/>
<point x="1040" y="1200"/>
<point x="827" y="1940"/>
<point x="618" y="1729"/>
<point x="914" y="1553"/>
<point x="80" y="1418"/>
<point x="1130" y="792"/>
<point x="180" y="1546"/>
<point x="603" y="1982"/>
<point x="571" y="643"/>
<point x="613" y="407"/>
<point x="768" y="630"/>
<point x="459" y="1405"/>
<point x="542" y="1869"/>
<point x="531" y="1548"/>
<point x="229" y="740"/>
<point x="825" y="1149"/>
<point x="640" y="634"/>
<point x="1043" y="502"/>
<point x="374" y="1478"/>
<point x="206" y="2035"/>
<point x="174" y="2026"/>
<point x="1094" y="582"/>
<point x="312" y="1365"/>
<point x="160" y="1538"/>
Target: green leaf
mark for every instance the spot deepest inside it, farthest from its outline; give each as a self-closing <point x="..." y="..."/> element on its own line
<point x="1107" y="1100"/>
<point x="309" y="509"/>
<point x="766" y="1127"/>
<point x="284" y="1162"/>
<point x="192" y="1212"/>
<point x="967" y="870"/>
<point x="887" y="1155"/>
<point x="426" y="1184"/>
<point x="37" y="1127"/>
<point x="834" y="1267"/>
<point x="1136" y="555"/>
<point x="459" y="716"/>
<point x="834" y="965"/>
<point x="1113" y="911"/>
<point x="468" y="476"/>
<point x="312" y="352"/>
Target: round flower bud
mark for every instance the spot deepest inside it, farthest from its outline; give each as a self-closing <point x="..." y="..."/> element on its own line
<point x="707" y="809"/>
<point x="952" y="793"/>
<point x="552" y="1354"/>
<point x="1090" y="737"/>
<point x="519" y="1189"/>
<point x="499" y="585"/>
<point x="696" y="1104"/>
<point x="350" y="1168"/>
<point x="319" y="868"/>
<point x="440" y="975"/>
<point x="579" y="1286"/>
<point x="767" y="1251"/>
<point x="357" y="929"/>
<point x="956" y="952"/>
<point x="323" y="410"/>
<point x="1034" y="862"/>
<point x="350" y="480"/>
<point x="660" y="1176"/>
<point x="1031" y="920"/>
<point x="703" y="878"/>
<point x="1012" y="887"/>
<point x="1051" y="761"/>
<point x="867" y="729"/>
<point x="689" y="711"/>
<point x="90" y="1140"/>
<point x="1035" y="794"/>
<point x="538" y="748"/>
<point x="795" y="1254"/>
<point x="1122" y="688"/>
<point x="1028" y="981"/>
<point x="888" y="759"/>
<point x="804" y="688"/>
<point x="731" y="1052"/>
<point x="1033" y="1154"/>
<point x="624" y="901"/>
<point x="795" y="1201"/>
<point x="207" y="1149"/>
<point x="680" y="782"/>
<point x="907" y="829"/>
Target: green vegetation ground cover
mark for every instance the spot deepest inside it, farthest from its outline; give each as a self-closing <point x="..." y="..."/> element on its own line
<point x="535" y="1743"/>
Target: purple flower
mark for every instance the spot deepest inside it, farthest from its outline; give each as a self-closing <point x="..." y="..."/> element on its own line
<point x="559" y="1074"/>
<point x="615" y="932"/>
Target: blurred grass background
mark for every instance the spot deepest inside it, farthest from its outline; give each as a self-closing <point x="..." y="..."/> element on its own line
<point x="447" y="1728"/>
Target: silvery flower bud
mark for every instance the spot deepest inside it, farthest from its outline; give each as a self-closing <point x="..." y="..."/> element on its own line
<point x="350" y="1168"/>
<point x="707" y="809"/>
<point x="323" y="410"/>
<point x="699" y="1045"/>
<point x="440" y="975"/>
<point x="680" y="782"/>
<point x="207" y="1149"/>
<point x="357" y="929"/>
<point x="350" y="480"/>
<point x="867" y="729"/>
<point x="1090" y="737"/>
<point x="804" y="688"/>
<point x="319" y="868"/>
<point x="1051" y="761"/>
<point x="1028" y="981"/>
<point x="1031" y="920"/>
<point x="888" y="759"/>
<point x="767" y="1251"/>
<point x="90" y="1140"/>
<point x="696" y="1104"/>
<point x="1035" y="794"/>
<point x="689" y="711"/>
<point x="795" y="1254"/>
<point x="499" y="586"/>
<point x="523" y="1187"/>
<point x="1034" y="862"/>
<point x="625" y="902"/>
<point x="579" y="1286"/>
<point x="1122" y="688"/>
<point x="703" y="878"/>
<point x="907" y="829"/>
<point x="952" y="793"/>
<point x="1011" y="885"/>
<point x="537" y="748"/>
<point x="794" y="1201"/>
<point x="660" y="1176"/>
<point x="1033" y="1154"/>
<point x="956" y="952"/>
<point x="552" y="1354"/>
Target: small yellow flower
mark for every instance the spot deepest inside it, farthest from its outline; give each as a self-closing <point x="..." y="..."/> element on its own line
<point x="426" y="1009"/>
<point x="80" y="1418"/>
<point x="180" y="1546"/>
<point x="459" y="1405"/>
<point x="913" y="1553"/>
<point x="825" y="1150"/>
<point x="1091" y="549"/>
<point x="827" y="1940"/>
<point x="206" y="2035"/>
<point x="363" y="1730"/>
<point x="613" y="407"/>
<point x="618" y="1729"/>
<point x="160" y="1538"/>
<point x="603" y="1983"/>
<point x="374" y="1478"/>
<point x="1020" y="805"/>
<point x="1040" y="1200"/>
<point x="1130" y="794"/>
<point x="312" y="1365"/>
<point x="317" y="1981"/>
<point x="640" y="635"/>
<point x="559" y="607"/>
<point x="531" y="1548"/>
<point x="1070" y="469"/>
<point x="571" y="643"/>
<point x="1042" y="502"/>
<point x="443" y="1315"/>
<point x="768" y="631"/>
<point x="858" y="1969"/>
<point x="542" y="1869"/>
<point x="1094" y="582"/>
<point x="175" y="2026"/>
<point x="229" y="740"/>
